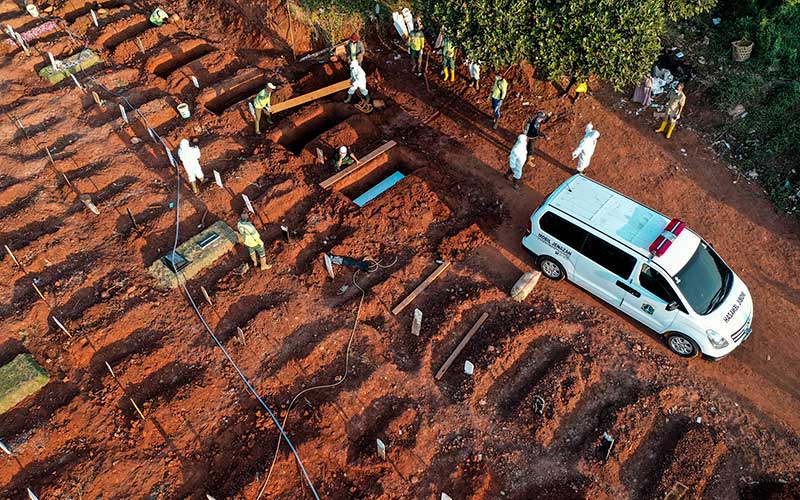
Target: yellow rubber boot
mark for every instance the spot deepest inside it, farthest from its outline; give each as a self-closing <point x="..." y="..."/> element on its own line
<point x="452" y="75"/>
<point x="445" y="74"/>
<point x="662" y="127"/>
<point x="669" y="132"/>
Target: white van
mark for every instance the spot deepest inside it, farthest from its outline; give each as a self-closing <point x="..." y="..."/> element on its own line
<point x="652" y="268"/>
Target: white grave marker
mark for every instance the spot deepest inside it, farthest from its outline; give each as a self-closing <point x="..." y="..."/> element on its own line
<point x="169" y="155"/>
<point x="247" y="202"/>
<point x="123" y="113"/>
<point x="77" y="83"/>
<point x="252" y="109"/>
<point x="445" y="496"/>
<point x="94" y="17"/>
<point x="218" y="179"/>
<point x="194" y="81"/>
<point x="328" y="265"/>
<point x="469" y="368"/>
<point x="416" y="324"/>
<point x="5" y="448"/>
<point x="31" y="495"/>
<point x="381" y="449"/>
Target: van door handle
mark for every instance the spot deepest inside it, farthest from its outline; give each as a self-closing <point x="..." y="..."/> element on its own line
<point x="629" y="289"/>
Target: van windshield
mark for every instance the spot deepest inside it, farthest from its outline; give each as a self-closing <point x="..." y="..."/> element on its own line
<point x="705" y="280"/>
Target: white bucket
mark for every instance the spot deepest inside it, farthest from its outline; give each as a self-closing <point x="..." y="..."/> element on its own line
<point x="32" y="10"/>
<point x="183" y="109"/>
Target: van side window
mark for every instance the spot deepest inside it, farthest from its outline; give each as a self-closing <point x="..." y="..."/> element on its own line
<point x="607" y="255"/>
<point x="563" y="230"/>
<point x="652" y="281"/>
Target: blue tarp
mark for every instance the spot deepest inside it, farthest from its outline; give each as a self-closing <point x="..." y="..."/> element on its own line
<point x="378" y="188"/>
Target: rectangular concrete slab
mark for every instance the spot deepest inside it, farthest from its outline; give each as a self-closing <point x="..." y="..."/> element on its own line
<point x="72" y="65"/>
<point x="201" y="250"/>
<point x="19" y="379"/>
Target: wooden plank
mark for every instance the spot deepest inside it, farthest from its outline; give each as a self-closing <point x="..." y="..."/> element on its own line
<point x="330" y="181"/>
<point x="461" y="345"/>
<point x="297" y="101"/>
<point x="422" y="286"/>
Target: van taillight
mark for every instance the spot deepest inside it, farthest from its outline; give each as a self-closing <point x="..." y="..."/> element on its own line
<point x="530" y="226"/>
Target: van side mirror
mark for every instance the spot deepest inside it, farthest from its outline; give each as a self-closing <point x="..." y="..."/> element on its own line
<point x="672" y="306"/>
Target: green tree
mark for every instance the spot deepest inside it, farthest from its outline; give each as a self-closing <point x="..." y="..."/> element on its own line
<point x="617" y="40"/>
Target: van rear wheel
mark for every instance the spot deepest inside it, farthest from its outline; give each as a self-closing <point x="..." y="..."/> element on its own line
<point x="682" y="345"/>
<point x="551" y="268"/>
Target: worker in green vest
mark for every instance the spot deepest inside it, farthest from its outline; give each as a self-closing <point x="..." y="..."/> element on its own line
<point x="158" y="17"/>
<point x="416" y="43"/>
<point x="499" y="92"/>
<point x="261" y="105"/>
<point x="449" y="58"/>
<point x="249" y="237"/>
<point x="355" y="49"/>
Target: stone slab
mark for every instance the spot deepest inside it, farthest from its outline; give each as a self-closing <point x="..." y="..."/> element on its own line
<point x="19" y="379"/>
<point x="74" y="64"/>
<point x="198" y="258"/>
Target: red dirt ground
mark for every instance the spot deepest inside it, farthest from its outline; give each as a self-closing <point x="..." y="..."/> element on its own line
<point x="727" y="430"/>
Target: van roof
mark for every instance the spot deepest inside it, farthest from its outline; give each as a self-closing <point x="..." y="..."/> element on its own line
<point x="622" y="218"/>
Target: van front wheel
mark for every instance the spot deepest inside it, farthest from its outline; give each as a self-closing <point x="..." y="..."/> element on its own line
<point x="682" y="345"/>
<point x="551" y="268"/>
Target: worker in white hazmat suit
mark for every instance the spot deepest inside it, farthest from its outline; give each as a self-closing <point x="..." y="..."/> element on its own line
<point x="585" y="149"/>
<point x="358" y="81"/>
<point x="190" y="156"/>
<point x="517" y="159"/>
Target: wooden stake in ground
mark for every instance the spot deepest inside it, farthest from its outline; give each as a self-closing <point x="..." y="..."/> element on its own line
<point x="461" y="345"/>
<point x="240" y="333"/>
<point x="133" y="219"/>
<point x="416" y="324"/>
<point x="320" y="157"/>
<point x="421" y="288"/>
<point x="205" y="294"/>
<point x="63" y="329"/>
<point x="11" y="254"/>
<point x="136" y="407"/>
<point x="248" y="204"/>
<point x="140" y="44"/>
<point x="111" y="371"/>
<point x="40" y="293"/>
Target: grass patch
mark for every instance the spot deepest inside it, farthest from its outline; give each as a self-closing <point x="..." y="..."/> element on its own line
<point x="19" y="379"/>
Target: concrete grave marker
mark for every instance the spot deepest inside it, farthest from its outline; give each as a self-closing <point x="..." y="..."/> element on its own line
<point x="416" y="323"/>
<point x="381" y="449"/>
<point x="247" y="203"/>
<point x="445" y="496"/>
<point x="218" y="179"/>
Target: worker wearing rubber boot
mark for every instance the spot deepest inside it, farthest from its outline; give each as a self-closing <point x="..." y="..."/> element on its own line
<point x="261" y="105"/>
<point x="517" y="160"/>
<point x="358" y="81"/>
<point x="416" y="43"/>
<point x="675" y="103"/>
<point x="533" y="129"/>
<point x="499" y="92"/>
<point x="449" y="59"/>
<point x="190" y="158"/>
<point x="355" y="49"/>
<point x="344" y="158"/>
<point x="158" y="17"/>
<point x="249" y="237"/>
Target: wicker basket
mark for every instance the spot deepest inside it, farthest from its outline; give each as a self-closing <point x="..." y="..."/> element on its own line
<point x="742" y="50"/>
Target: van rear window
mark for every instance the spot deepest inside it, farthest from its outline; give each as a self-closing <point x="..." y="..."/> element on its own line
<point x="563" y="230"/>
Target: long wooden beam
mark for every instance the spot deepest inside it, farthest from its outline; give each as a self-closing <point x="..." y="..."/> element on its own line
<point x="330" y="181"/>
<point x="297" y="101"/>
<point x="461" y="345"/>
<point x="422" y="286"/>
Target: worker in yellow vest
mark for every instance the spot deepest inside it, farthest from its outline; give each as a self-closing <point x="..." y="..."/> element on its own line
<point x="449" y="59"/>
<point x="249" y="237"/>
<point x="499" y="92"/>
<point x="158" y="17"/>
<point x="261" y="105"/>
<point x="416" y="43"/>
